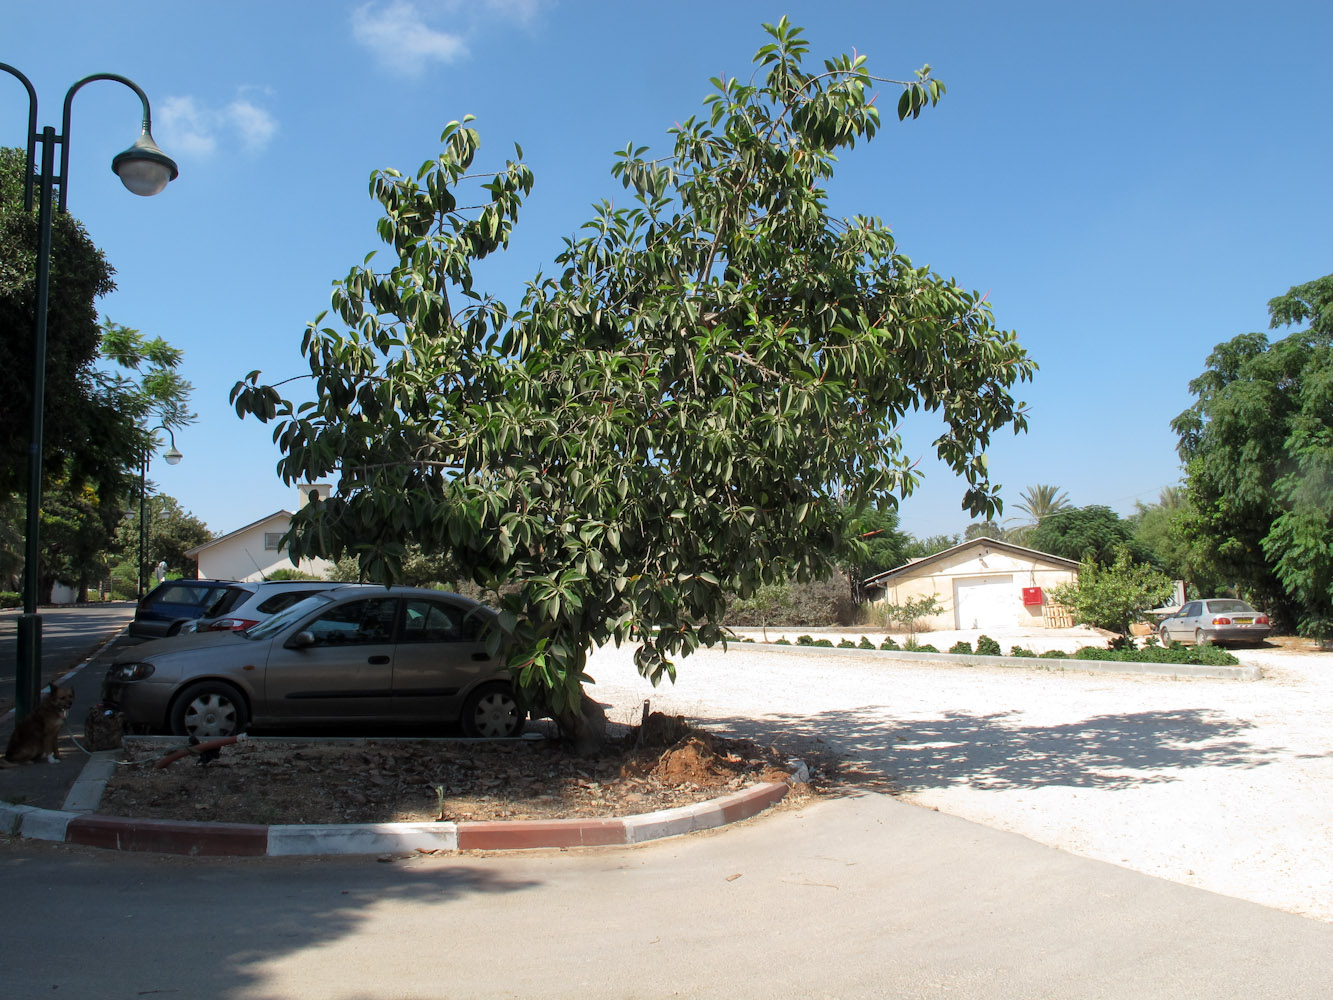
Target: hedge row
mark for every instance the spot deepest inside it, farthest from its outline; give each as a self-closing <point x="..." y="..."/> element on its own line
<point x="1211" y="656"/>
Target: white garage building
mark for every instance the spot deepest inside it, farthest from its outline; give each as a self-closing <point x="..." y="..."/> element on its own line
<point x="983" y="583"/>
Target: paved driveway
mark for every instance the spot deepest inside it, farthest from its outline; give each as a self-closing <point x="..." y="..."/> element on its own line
<point x="1224" y="785"/>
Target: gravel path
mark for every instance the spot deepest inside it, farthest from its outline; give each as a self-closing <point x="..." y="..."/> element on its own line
<point x="1224" y="785"/>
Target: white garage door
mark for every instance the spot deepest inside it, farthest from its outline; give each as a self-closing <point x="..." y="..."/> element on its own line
<point x="985" y="601"/>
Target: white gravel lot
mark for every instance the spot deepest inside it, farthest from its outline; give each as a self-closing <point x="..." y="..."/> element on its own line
<point x="1224" y="785"/>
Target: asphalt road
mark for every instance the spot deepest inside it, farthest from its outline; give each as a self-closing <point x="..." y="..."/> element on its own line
<point x="69" y="635"/>
<point x="856" y="897"/>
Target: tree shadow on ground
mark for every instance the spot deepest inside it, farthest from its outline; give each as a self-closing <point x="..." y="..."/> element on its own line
<point x="228" y="923"/>
<point x="998" y="751"/>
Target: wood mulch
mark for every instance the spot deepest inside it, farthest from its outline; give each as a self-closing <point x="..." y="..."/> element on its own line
<point x="294" y="780"/>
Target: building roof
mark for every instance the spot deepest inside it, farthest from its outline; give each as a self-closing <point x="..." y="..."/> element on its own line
<point x="232" y="534"/>
<point x="880" y="579"/>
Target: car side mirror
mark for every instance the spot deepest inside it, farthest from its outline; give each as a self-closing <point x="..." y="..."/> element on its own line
<point x="301" y="640"/>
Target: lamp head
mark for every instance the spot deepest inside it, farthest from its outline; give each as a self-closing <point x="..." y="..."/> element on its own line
<point x="145" y="169"/>
<point x="172" y="455"/>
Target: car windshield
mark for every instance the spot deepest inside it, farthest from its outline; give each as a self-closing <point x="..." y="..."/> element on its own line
<point x="274" y="625"/>
<point x="1229" y="607"/>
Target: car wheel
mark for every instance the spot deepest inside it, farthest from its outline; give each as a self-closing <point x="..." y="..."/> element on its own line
<point x="1164" y="636"/>
<point x="492" y="712"/>
<point x="209" y="710"/>
<point x="1200" y="639"/>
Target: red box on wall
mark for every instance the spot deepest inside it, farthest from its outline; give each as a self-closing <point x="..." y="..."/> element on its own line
<point x="1032" y="595"/>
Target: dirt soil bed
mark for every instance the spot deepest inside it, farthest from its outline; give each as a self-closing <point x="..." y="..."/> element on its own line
<point x="277" y="781"/>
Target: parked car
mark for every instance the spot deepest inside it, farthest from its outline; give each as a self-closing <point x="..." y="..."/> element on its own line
<point x="361" y="653"/>
<point x="1218" y="621"/>
<point x="246" y="604"/>
<point x="168" y="606"/>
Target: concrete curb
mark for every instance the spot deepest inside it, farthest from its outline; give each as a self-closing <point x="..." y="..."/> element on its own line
<point x="118" y="833"/>
<point x="1048" y="664"/>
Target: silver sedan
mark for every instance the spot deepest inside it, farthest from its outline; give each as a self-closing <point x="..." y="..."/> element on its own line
<point x="362" y="654"/>
<point x="1217" y="621"/>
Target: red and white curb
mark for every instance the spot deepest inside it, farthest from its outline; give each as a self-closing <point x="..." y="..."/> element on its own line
<point x="247" y="840"/>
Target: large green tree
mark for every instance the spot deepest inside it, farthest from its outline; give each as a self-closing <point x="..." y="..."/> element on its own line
<point x="874" y="543"/>
<point x="675" y="413"/>
<point x="172" y="531"/>
<point x="1161" y="532"/>
<point x="105" y="385"/>
<point x="80" y="274"/>
<point x="1258" y="451"/>
<point x="1094" y="532"/>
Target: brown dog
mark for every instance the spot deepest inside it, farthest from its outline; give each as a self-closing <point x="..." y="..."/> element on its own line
<point x="38" y="734"/>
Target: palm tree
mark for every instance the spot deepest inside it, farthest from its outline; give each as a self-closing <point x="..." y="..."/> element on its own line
<point x="1041" y="501"/>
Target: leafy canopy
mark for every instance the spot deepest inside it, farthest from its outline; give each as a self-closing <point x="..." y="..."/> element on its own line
<point x="1258" y="451"/>
<point x="1094" y="532"/>
<point x="676" y="412"/>
<point x="1113" y="596"/>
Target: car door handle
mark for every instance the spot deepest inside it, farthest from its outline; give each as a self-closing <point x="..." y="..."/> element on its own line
<point x="378" y="659"/>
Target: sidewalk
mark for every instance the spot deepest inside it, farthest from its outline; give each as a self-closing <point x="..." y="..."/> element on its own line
<point x="47" y="785"/>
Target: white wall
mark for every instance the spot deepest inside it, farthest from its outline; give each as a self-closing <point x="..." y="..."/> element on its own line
<point x="972" y="566"/>
<point x="243" y="556"/>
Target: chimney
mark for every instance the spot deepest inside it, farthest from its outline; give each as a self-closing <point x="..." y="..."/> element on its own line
<point x="322" y="490"/>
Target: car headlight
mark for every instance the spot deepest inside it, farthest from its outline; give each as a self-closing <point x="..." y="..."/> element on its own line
<point x="129" y="671"/>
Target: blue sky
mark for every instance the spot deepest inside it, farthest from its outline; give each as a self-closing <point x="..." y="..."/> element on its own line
<point x="1130" y="182"/>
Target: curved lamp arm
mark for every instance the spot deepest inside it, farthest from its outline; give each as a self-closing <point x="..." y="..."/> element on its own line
<point x="143" y="168"/>
<point x="32" y="133"/>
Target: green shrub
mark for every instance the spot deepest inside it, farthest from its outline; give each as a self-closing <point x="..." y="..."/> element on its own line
<point x="846" y="644"/>
<point x="961" y="646"/>
<point x="909" y="612"/>
<point x="1020" y="651"/>
<point x="817" y="603"/>
<point x="1211" y="656"/>
<point x="823" y="642"/>
<point x="927" y="648"/>
<point x="865" y="644"/>
<point x="889" y="644"/>
<point x="1055" y="654"/>
<point x="10" y="599"/>
<point x="782" y="642"/>
<point x="805" y="640"/>
<point x="292" y="574"/>
<point x="986" y="646"/>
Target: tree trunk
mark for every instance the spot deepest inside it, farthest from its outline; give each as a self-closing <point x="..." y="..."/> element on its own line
<point x="585" y="729"/>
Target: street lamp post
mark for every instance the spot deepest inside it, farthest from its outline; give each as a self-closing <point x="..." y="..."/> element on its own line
<point x="172" y="455"/>
<point x="145" y="170"/>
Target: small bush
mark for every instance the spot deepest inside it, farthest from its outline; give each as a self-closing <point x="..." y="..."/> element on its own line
<point x="292" y="574"/>
<point x="823" y="642"/>
<point x="1055" y="654"/>
<point x="889" y="644"/>
<point x="865" y="644"/>
<point x="927" y="648"/>
<point x="805" y="640"/>
<point x="961" y="647"/>
<point x="10" y="599"/>
<point x="1211" y="656"/>
<point x="986" y="646"/>
<point x="1020" y="651"/>
<point x="782" y="642"/>
<point x="846" y="644"/>
<point x="1214" y="656"/>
